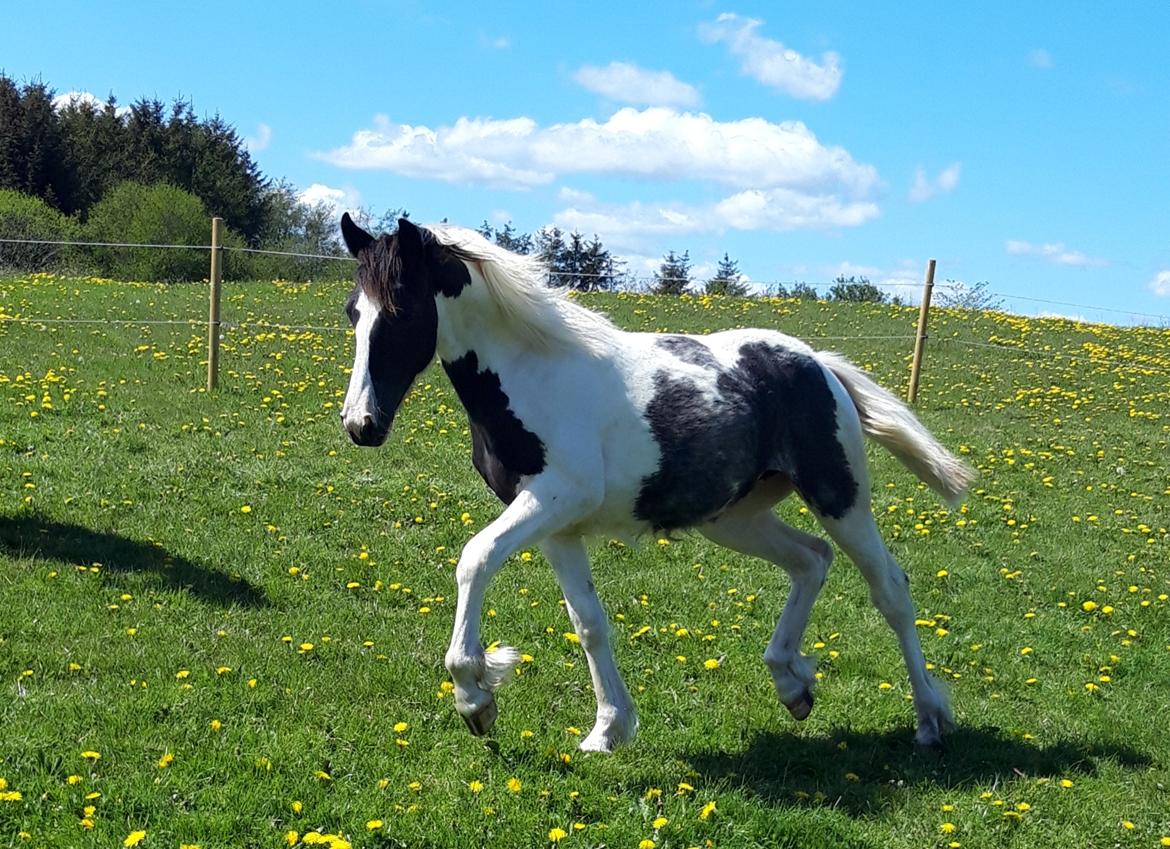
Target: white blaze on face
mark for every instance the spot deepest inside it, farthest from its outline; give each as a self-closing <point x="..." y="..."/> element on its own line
<point x="360" y="402"/>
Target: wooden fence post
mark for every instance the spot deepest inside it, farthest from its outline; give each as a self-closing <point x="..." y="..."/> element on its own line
<point x="213" y="313"/>
<point x="920" y="338"/>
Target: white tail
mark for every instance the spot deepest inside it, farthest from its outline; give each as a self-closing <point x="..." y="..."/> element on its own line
<point x="892" y="425"/>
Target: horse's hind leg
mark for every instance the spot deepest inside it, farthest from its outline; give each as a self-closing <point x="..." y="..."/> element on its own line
<point x="616" y="721"/>
<point x="889" y="587"/>
<point x="752" y="528"/>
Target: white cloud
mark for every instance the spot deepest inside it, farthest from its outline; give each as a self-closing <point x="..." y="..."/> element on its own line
<point x="340" y="200"/>
<point x="923" y="188"/>
<point x="1160" y="285"/>
<point x="785" y="209"/>
<point x="1040" y="58"/>
<point x="79" y="97"/>
<point x="260" y="139"/>
<point x="770" y="62"/>
<point x="627" y="83"/>
<point x="657" y="142"/>
<point x="1053" y="252"/>
<point x="567" y="194"/>
<point x="631" y="226"/>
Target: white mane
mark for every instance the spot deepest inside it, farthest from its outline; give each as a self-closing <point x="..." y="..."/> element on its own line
<point x="517" y="285"/>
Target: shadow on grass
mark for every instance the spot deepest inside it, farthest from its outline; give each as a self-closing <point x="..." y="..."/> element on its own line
<point x="37" y="536"/>
<point x="867" y="773"/>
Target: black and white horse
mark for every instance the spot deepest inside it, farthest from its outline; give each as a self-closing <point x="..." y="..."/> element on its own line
<point x="582" y="429"/>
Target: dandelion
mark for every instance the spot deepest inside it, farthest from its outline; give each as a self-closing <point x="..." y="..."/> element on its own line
<point x="134" y="838"/>
<point x="91" y="756"/>
<point x="374" y="825"/>
<point x="475" y="786"/>
<point x="947" y="828"/>
<point x="166" y="760"/>
<point x="556" y="835"/>
<point x="711" y="663"/>
<point x="514" y="785"/>
<point x="708" y="809"/>
<point x="659" y="822"/>
<point x="646" y="844"/>
<point x="399" y="727"/>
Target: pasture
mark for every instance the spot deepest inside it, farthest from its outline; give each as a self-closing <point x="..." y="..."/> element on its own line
<point x="223" y="625"/>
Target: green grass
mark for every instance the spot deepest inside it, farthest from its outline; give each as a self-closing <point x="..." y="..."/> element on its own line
<point x="165" y="553"/>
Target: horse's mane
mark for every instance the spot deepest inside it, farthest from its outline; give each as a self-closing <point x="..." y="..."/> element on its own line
<point x="542" y="315"/>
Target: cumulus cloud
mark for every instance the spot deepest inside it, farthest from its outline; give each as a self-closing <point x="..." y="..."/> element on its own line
<point x="657" y="143"/>
<point x="1053" y="252"/>
<point x="770" y="62"/>
<point x="630" y="227"/>
<point x="260" y="139"/>
<point x="923" y="188"/>
<point x="1160" y="285"/>
<point x="340" y="200"/>
<point x="79" y="97"/>
<point x="627" y="83"/>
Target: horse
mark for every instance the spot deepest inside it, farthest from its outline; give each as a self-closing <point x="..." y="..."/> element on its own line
<point x="582" y="429"/>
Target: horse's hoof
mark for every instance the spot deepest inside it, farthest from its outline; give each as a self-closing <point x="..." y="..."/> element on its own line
<point x="481" y="722"/>
<point x="802" y="707"/>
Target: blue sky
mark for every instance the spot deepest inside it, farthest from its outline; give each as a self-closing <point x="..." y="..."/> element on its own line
<point x="1022" y="144"/>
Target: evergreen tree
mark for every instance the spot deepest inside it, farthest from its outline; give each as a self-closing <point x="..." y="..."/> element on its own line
<point x="674" y="275"/>
<point x="551" y="249"/>
<point x="511" y="239"/>
<point x="599" y="271"/>
<point x="727" y="279"/>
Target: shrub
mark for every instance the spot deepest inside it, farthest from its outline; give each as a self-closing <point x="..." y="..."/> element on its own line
<point x="160" y="214"/>
<point x="26" y="217"/>
<point x="856" y="290"/>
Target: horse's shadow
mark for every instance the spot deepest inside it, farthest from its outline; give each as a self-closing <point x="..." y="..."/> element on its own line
<point x="37" y="536"/>
<point x="864" y="774"/>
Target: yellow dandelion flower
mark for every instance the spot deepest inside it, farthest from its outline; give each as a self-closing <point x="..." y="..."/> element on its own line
<point x="166" y="760"/>
<point x="134" y="838"/>
<point x="514" y="785"/>
<point x="399" y="727"/>
<point x="475" y="786"/>
<point x="646" y="844"/>
<point x="91" y="755"/>
<point x="708" y="809"/>
<point x="555" y="835"/>
<point x="374" y="825"/>
<point x="711" y="663"/>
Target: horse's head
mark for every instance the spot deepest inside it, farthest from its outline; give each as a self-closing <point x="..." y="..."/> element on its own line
<point x="395" y="321"/>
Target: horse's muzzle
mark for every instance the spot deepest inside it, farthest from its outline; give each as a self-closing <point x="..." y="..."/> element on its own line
<point x="366" y="432"/>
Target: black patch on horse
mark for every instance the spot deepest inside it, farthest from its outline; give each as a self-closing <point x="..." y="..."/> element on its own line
<point x="773" y="412"/>
<point x="689" y="351"/>
<point x="449" y="276"/>
<point x="502" y="449"/>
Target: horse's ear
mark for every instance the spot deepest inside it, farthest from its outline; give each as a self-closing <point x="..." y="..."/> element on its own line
<point x="410" y="240"/>
<point x="356" y="239"/>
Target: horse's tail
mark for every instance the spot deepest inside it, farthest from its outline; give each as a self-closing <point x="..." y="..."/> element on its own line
<point x="889" y="422"/>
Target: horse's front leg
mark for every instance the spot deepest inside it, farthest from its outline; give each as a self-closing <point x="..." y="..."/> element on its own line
<point x="545" y="506"/>
<point x="617" y="721"/>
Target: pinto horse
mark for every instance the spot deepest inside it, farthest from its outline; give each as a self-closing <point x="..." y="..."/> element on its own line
<point x="582" y="429"/>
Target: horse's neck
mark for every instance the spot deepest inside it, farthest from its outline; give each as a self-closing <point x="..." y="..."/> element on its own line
<point x="468" y="322"/>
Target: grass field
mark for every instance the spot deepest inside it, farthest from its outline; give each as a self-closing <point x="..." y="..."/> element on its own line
<point x="222" y="625"/>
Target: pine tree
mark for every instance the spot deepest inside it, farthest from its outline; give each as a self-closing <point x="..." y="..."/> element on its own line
<point x="510" y="239"/>
<point x="674" y="275"/>
<point x="727" y="279"/>
<point x="551" y="249"/>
